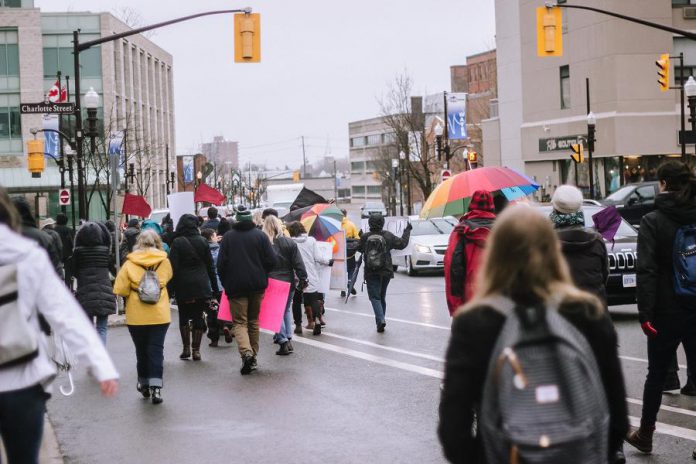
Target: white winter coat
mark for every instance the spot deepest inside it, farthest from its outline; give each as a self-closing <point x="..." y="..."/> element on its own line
<point x="41" y="291"/>
<point x="312" y="261"/>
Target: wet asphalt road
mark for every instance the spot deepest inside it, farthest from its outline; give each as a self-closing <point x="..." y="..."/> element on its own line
<point x="350" y="395"/>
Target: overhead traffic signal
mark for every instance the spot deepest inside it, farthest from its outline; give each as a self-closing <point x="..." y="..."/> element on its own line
<point x="549" y="31"/>
<point x="247" y="38"/>
<point x="36" y="161"/>
<point x="663" y="72"/>
<point x="577" y="155"/>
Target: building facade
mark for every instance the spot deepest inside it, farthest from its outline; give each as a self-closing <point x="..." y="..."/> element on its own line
<point x="543" y="103"/>
<point x="370" y="139"/>
<point x="132" y="76"/>
<point x="223" y="153"/>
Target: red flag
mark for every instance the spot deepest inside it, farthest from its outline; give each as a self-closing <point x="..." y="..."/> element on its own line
<point x="206" y="193"/>
<point x="136" y="205"/>
<point x="56" y="94"/>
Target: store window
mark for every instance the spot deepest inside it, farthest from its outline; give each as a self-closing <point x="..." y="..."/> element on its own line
<point x="565" y="86"/>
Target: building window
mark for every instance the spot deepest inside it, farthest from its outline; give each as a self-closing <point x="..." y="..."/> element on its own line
<point x="357" y="142"/>
<point x="10" y="123"/>
<point x="688" y="71"/>
<point x="370" y="166"/>
<point x="357" y="167"/>
<point x="11" y="3"/>
<point x="61" y="59"/>
<point x="374" y="189"/>
<point x="565" y="87"/>
<point x="375" y="139"/>
<point x="389" y="138"/>
<point x="358" y="190"/>
<point x="681" y="2"/>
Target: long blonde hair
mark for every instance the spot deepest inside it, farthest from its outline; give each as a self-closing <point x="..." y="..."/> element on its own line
<point x="273" y="227"/>
<point x="523" y="257"/>
<point x="148" y="238"/>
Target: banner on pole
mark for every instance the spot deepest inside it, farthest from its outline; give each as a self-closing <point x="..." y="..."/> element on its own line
<point x="456" y="116"/>
<point x="188" y="168"/>
<point x="51" y="139"/>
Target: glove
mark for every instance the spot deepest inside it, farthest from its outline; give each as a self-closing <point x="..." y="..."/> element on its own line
<point x="648" y="329"/>
<point x="331" y="261"/>
<point x="303" y="284"/>
<point x="409" y="226"/>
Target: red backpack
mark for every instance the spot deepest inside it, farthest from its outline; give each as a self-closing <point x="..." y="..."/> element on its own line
<point x="462" y="261"/>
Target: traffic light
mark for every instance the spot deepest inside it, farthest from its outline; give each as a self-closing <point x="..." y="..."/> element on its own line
<point x="473" y="157"/>
<point x="663" y="72"/>
<point x="577" y="155"/>
<point x="247" y="38"/>
<point x="36" y="161"/>
<point x="549" y="31"/>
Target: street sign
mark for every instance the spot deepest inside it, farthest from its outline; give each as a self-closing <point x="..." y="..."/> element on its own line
<point x="47" y="108"/>
<point x="446" y="174"/>
<point x="63" y="197"/>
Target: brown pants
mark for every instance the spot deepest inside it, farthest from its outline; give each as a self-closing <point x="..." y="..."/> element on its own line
<point x="245" y="320"/>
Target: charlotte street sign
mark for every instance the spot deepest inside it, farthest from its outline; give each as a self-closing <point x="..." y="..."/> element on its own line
<point x="47" y="108"/>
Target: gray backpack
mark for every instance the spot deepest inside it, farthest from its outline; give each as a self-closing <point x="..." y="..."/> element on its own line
<point x="18" y="339"/>
<point x="149" y="289"/>
<point x="543" y="400"/>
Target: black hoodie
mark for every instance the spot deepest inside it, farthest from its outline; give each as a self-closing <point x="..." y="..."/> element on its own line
<point x="586" y="254"/>
<point x="656" y="298"/>
<point x="194" y="274"/>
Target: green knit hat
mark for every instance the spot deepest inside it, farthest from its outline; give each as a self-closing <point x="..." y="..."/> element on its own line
<point x="243" y="214"/>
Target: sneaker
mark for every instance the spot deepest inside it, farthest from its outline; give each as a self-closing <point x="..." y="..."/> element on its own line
<point x="381" y="326"/>
<point x="290" y="347"/>
<point x="254" y="364"/>
<point x="689" y="389"/>
<point x="283" y="351"/>
<point x="317" y="329"/>
<point x="156" y="395"/>
<point x="353" y="291"/>
<point x="143" y="389"/>
<point x="298" y="329"/>
<point x="247" y="361"/>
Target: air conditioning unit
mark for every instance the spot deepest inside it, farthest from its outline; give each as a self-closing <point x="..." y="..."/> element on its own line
<point x="689" y="12"/>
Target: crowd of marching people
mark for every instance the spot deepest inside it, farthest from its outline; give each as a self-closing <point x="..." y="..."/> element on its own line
<point x="532" y="372"/>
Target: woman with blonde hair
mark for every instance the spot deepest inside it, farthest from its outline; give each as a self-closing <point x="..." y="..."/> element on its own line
<point x="147" y="322"/>
<point x="289" y="268"/>
<point x="523" y="262"/>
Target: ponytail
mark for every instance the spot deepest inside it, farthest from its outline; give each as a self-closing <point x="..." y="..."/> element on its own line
<point x="679" y="179"/>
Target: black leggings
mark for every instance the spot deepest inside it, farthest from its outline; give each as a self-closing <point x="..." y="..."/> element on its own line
<point x="297" y="307"/>
<point x="193" y="311"/>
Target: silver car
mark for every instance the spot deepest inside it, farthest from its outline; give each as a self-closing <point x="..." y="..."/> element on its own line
<point x="427" y="246"/>
<point x="372" y="207"/>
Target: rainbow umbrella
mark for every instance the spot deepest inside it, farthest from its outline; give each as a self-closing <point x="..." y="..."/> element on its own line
<point x="452" y="197"/>
<point x="321" y="220"/>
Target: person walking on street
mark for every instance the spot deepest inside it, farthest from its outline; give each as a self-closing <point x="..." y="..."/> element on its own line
<point x="666" y="307"/>
<point x="584" y="250"/>
<point x="246" y="257"/>
<point x="130" y="235"/>
<point x="312" y="259"/>
<point x="28" y="229"/>
<point x="465" y="248"/>
<point x="213" y="220"/>
<point x="25" y="382"/>
<point x="194" y="283"/>
<point x="91" y="265"/>
<point x="523" y="267"/>
<point x="147" y="321"/>
<point x="67" y="237"/>
<point x="289" y="268"/>
<point x="214" y="325"/>
<point x="375" y="247"/>
<point x="352" y="241"/>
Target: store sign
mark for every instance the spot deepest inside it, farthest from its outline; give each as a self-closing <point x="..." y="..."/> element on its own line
<point x="561" y="143"/>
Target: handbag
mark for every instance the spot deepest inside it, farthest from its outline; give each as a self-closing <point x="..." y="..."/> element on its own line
<point x="18" y="339"/>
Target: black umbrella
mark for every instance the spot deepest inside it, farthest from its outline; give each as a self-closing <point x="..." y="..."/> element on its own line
<point x="306" y="198"/>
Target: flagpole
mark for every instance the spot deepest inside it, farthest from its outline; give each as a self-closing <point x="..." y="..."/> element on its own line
<point x="61" y="164"/>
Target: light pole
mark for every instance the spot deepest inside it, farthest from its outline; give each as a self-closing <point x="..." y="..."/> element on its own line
<point x="395" y="175"/>
<point x="91" y="104"/>
<point x="439" y="131"/>
<point x="591" y="123"/>
<point x="690" y="90"/>
<point x="405" y="168"/>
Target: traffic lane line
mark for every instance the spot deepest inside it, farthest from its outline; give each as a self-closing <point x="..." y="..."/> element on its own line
<point x="384" y="347"/>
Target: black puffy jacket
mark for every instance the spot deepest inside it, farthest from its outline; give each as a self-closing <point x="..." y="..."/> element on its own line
<point x="586" y="254"/>
<point x="655" y="286"/>
<point x="91" y="263"/>
<point x="194" y="275"/>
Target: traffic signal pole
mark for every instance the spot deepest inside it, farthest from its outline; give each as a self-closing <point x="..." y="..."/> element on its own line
<point x="82" y="46"/>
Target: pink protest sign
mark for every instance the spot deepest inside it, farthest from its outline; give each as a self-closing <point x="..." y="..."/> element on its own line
<point x="272" y="305"/>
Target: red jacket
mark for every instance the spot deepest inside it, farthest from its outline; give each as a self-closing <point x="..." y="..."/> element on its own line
<point x="464" y="255"/>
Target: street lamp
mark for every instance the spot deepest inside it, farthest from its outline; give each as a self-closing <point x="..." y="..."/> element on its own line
<point x="92" y="103"/>
<point x="591" y="123"/>
<point x="395" y="176"/>
<point x="690" y="90"/>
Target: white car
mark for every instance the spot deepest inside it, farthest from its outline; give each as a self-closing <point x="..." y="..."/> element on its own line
<point x="158" y="214"/>
<point x="372" y="207"/>
<point x="427" y="246"/>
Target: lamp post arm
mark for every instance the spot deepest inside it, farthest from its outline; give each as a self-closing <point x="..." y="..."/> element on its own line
<point x="91" y="43"/>
<point x="59" y="132"/>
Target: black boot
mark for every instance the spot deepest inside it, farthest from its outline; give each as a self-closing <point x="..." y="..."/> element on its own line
<point x="689" y="388"/>
<point x="641" y="438"/>
<point x="186" y="341"/>
<point x="672" y="382"/>
<point x="143" y="389"/>
<point x="283" y="351"/>
<point x="156" y="393"/>
<point x="196" y="344"/>
<point x="619" y="457"/>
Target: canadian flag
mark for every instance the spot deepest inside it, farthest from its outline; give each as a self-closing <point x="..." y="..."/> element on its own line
<point x="56" y="94"/>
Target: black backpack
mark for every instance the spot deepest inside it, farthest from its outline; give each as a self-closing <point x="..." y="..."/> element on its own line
<point x="375" y="253"/>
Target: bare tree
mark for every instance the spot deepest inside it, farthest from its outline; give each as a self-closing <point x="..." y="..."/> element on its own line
<point x="408" y="133"/>
<point x="132" y="18"/>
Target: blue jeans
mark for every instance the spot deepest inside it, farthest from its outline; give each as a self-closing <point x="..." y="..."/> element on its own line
<point x="102" y="326"/>
<point x="149" y="352"/>
<point x="21" y="423"/>
<point x="285" y="333"/>
<point x="377" y="292"/>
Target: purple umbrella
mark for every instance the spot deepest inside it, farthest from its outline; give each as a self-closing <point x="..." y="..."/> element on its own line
<point x="607" y="223"/>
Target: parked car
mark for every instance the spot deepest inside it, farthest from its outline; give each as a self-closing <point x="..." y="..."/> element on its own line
<point x="158" y="214"/>
<point x="372" y="207"/>
<point x="427" y="246"/>
<point x="622" y="255"/>
<point x="633" y="201"/>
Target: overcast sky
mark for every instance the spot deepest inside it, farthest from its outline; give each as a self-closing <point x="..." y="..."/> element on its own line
<point x="324" y="63"/>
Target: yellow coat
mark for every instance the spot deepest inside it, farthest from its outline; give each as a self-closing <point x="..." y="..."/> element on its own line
<point x="349" y="228"/>
<point x="128" y="279"/>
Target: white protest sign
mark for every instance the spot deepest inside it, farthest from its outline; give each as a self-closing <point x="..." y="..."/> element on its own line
<point x="179" y="204"/>
<point x="324" y="253"/>
<point x="395" y="225"/>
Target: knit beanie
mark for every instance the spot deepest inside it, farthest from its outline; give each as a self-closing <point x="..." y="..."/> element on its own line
<point x="567" y="199"/>
<point x="243" y="214"/>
